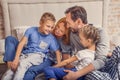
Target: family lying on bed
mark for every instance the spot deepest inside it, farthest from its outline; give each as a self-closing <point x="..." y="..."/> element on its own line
<point x="72" y="50"/>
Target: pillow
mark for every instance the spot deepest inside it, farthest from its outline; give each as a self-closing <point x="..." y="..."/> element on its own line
<point x="2" y="43"/>
<point x="20" y="30"/>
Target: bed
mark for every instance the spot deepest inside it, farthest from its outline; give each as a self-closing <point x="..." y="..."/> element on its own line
<point x="20" y="14"/>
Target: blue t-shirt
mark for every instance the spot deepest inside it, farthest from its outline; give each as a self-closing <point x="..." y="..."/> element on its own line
<point x="38" y="42"/>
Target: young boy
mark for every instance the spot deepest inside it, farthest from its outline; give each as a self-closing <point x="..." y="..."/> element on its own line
<point x="39" y="42"/>
<point x="89" y="36"/>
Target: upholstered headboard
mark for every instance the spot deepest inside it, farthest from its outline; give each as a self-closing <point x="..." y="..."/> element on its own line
<point x="28" y="12"/>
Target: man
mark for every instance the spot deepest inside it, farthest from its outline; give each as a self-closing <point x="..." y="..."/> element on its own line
<point x="76" y="17"/>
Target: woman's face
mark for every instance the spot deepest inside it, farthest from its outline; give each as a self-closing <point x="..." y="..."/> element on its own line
<point x="60" y="30"/>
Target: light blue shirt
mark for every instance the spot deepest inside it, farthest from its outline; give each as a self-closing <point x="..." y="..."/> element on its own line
<point x="38" y="42"/>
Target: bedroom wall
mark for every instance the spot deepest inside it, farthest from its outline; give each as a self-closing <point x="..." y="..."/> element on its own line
<point x="113" y="19"/>
<point x="1" y="25"/>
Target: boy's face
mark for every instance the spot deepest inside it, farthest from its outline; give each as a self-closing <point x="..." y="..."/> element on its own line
<point x="47" y="27"/>
<point x="60" y="30"/>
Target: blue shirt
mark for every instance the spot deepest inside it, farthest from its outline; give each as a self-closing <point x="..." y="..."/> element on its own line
<point x="39" y="42"/>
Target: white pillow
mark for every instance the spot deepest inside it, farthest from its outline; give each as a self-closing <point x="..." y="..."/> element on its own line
<point x="20" y="30"/>
<point x="2" y="43"/>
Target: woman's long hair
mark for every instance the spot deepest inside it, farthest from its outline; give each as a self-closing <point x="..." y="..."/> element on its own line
<point x="66" y="36"/>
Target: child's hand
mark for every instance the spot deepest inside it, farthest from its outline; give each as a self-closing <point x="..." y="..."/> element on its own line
<point x="14" y="64"/>
<point x="9" y="63"/>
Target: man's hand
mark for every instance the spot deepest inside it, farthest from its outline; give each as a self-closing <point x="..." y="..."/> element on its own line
<point x="70" y="76"/>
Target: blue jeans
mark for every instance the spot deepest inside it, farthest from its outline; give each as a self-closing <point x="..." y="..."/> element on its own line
<point x="11" y="44"/>
<point x="33" y="71"/>
<point x="58" y="73"/>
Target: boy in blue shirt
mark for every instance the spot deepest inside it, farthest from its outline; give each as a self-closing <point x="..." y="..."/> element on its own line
<point x="39" y="42"/>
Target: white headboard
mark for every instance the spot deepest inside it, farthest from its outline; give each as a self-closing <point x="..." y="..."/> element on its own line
<point x="28" y="12"/>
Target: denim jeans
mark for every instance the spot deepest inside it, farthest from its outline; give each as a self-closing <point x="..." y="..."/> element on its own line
<point x="58" y="73"/>
<point x="11" y="44"/>
<point x="33" y="71"/>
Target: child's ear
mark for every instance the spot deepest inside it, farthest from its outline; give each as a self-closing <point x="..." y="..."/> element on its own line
<point x="90" y="40"/>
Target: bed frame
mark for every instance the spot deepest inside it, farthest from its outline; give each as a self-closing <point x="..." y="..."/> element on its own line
<point x="28" y="12"/>
<point x="17" y="13"/>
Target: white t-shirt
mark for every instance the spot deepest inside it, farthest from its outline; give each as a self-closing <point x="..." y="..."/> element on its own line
<point x="85" y="57"/>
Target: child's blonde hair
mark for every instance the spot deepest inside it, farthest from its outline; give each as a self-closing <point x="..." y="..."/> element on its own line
<point x="90" y="32"/>
<point x="47" y="16"/>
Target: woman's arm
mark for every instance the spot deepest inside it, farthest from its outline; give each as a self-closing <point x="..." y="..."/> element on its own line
<point x="58" y="56"/>
<point x="18" y="52"/>
<point x="64" y="57"/>
<point x="67" y="61"/>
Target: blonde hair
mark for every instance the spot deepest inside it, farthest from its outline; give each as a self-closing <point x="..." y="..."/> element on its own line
<point x="47" y="16"/>
<point x="90" y="32"/>
<point x="66" y="38"/>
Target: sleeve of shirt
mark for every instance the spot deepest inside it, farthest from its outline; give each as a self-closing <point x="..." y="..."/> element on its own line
<point x="102" y="50"/>
<point x="28" y="32"/>
<point x="54" y="46"/>
<point x="81" y="54"/>
<point x="85" y="56"/>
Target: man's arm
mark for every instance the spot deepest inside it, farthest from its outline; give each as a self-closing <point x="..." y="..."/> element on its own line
<point x="102" y="49"/>
<point x="75" y="75"/>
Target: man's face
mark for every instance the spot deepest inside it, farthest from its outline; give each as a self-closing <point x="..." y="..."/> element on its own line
<point x="47" y="27"/>
<point x="73" y="25"/>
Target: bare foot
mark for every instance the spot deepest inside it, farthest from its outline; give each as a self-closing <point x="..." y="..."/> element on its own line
<point x="109" y="54"/>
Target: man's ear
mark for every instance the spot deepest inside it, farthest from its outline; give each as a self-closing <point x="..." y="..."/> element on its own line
<point x="79" y="21"/>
